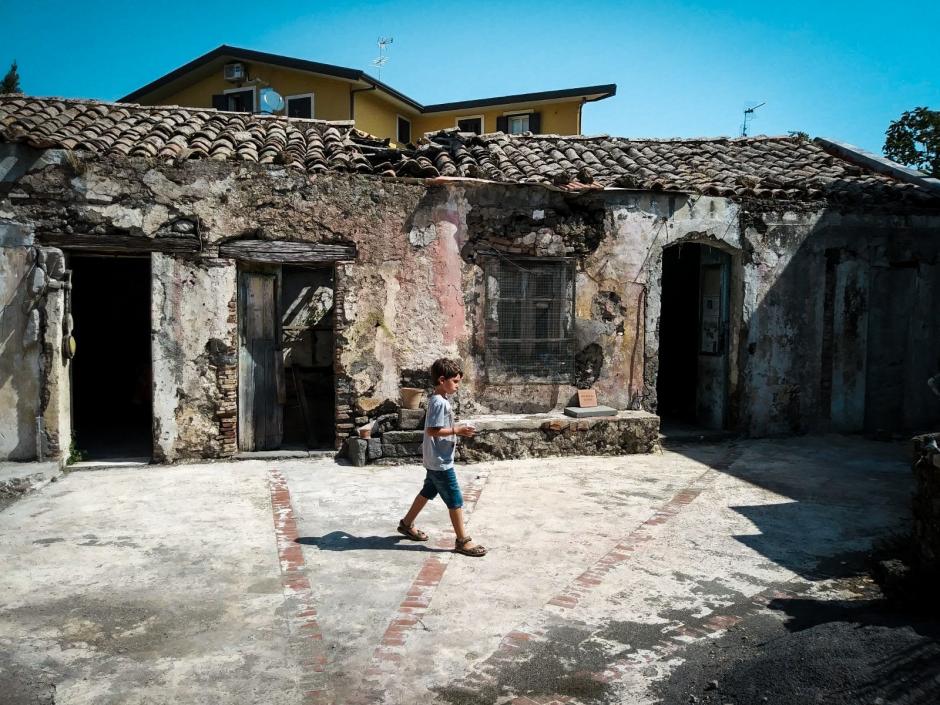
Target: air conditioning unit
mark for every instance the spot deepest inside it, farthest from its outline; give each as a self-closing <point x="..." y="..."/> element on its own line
<point x="234" y="72"/>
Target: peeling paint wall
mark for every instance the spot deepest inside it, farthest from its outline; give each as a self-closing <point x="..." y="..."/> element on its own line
<point x="193" y="349"/>
<point x="800" y="329"/>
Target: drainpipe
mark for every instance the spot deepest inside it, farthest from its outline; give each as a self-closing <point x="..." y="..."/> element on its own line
<point x="352" y="100"/>
<point x="39" y="430"/>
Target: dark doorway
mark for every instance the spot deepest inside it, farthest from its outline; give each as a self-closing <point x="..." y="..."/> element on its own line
<point x="692" y="385"/>
<point x="678" y="327"/>
<point x="307" y="333"/>
<point x="112" y="413"/>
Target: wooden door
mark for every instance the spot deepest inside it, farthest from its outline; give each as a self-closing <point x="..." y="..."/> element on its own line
<point x="714" y="313"/>
<point x="260" y="366"/>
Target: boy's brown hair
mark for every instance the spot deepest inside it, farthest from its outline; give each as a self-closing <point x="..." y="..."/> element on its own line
<point x="446" y="368"/>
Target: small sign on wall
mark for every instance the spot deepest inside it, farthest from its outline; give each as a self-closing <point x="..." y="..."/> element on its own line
<point x="587" y="398"/>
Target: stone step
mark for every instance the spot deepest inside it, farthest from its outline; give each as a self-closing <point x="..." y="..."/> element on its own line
<point x="586" y="412"/>
<point x="396" y="437"/>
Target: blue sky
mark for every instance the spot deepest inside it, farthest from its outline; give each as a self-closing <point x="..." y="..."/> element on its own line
<point x="683" y="69"/>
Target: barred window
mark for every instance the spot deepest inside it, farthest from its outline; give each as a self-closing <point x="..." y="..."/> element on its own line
<point x="530" y="320"/>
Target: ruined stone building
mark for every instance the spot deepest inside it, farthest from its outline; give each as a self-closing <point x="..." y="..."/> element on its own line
<point x="187" y="283"/>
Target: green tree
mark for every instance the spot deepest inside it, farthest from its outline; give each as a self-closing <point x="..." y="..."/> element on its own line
<point x="914" y="140"/>
<point x="11" y="82"/>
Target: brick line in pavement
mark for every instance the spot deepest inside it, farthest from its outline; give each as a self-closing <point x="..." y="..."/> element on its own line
<point x="387" y="655"/>
<point x="306" y="637"/>
<point x="572" y="594"/>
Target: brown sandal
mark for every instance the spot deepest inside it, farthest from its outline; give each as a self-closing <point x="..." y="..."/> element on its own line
<point x="411" y="532"/>
<point x="475" y="551"/>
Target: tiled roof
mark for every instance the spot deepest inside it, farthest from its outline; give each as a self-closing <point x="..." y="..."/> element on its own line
<point x="762" y="167"/>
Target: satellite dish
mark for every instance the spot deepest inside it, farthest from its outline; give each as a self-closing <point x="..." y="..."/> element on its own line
<point x="270" y="101"/>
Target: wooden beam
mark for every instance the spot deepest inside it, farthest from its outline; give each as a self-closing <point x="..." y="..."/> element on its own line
<point x="117" y="243"/>
<point x="282" y="252"/>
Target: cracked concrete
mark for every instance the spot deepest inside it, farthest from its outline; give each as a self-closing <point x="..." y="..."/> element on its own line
<point x="185" y="583"/>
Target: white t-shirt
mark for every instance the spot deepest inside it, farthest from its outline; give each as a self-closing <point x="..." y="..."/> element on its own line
<point x="438" y="452"/>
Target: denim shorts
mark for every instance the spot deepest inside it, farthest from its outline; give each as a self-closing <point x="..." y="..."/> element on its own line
<point x="443" y="482"/>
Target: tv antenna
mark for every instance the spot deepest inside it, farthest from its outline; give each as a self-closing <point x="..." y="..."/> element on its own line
<point x="382" y="59"/>
<point x="748" y="116"/>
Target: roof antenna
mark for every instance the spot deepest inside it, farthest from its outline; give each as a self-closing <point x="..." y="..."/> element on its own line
<point x="748" y="116"/>
<point x="382" y="59"/>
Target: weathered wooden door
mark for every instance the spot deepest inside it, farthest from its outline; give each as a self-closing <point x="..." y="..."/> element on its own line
<point x="260" y="366"/>
<point x="714" y="309"/>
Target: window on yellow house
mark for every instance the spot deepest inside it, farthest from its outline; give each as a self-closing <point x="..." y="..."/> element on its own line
<point x="404" y="130"/>
<point x="236" y="100"/>
<point x="300" y="106"/>
<point x="517" y="123"/>
<point x="473" y="123"/>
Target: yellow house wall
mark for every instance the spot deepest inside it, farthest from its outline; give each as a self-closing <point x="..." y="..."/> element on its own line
<point x="379" y="117"/>
<point x="373" y="113"/>
<point x="330" y="102"/>
<point x="557" y="118"/>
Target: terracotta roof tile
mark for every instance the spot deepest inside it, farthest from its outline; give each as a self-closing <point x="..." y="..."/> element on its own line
<point x="762" y="167"/>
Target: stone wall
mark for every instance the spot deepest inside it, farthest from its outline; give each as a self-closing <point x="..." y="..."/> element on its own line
<point x="398" y="437"/>
<point x="926" y="504"/>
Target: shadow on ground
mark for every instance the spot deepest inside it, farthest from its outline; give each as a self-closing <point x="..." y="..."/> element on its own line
<point x="831" y="651"/>
<point x="342" y="541"/>
<point x="833" y="491"/>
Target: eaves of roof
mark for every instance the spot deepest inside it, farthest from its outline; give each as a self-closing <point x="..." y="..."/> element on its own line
<point x="591" y="92"/>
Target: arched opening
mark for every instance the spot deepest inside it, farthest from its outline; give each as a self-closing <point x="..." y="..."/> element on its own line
<point x="692" y="382"/>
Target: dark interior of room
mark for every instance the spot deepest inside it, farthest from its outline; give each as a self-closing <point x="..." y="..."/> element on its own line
<point x="306" y="310"/>
<point x="111" y="371"/>
<point x="678" y="334"/>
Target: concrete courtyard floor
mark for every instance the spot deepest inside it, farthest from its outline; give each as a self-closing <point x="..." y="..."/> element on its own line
<point x="285" y="582"/>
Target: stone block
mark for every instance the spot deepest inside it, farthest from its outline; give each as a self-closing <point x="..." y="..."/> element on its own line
<point x="408" y="450"/>
<point x="587" y="412"/>
<point x="375" y="448"/>
<point x="401" y="450"/>
<point x="357" y="450"/>
<point x="410" y="419"/>
<point x="397" y="437"/>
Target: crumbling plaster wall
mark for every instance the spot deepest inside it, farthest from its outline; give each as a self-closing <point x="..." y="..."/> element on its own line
<point x="19" y="345"/>
<point x="193" y="345"/>
<point x="415" y="290"/>
<point x="34" y="391"/>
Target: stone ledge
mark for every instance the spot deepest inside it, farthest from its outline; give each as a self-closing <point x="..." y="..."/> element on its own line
<point x="507" y="436"/>
<point x="553" y="434"/>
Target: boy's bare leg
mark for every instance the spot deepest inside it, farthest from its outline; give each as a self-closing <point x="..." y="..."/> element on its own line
<point x="456" y="518"/>
<point x="416" y="508"/>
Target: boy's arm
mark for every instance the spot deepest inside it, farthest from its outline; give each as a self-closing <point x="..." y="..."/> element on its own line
<point x="441" y="431"/>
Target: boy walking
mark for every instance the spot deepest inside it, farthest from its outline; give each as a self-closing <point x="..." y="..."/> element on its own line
<point x="440" y="441"/>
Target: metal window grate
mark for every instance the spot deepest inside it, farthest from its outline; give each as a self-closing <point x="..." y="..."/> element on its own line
<point x="529" y="319"/>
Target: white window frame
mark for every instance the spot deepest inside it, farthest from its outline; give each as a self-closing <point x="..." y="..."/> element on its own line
<point x="482" y="119"/>
<point x="518" y="114"/>
<point x="411" y="127"/>
<point x="254" y="95"/>
<point x="313" y="103"/>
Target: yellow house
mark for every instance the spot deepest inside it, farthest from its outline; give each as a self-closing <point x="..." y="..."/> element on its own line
<point x="229" y="78"/>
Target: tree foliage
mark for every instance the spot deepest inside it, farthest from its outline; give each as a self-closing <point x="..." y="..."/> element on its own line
<point x="11" y="82"/>
<point x="914" y="140"/>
